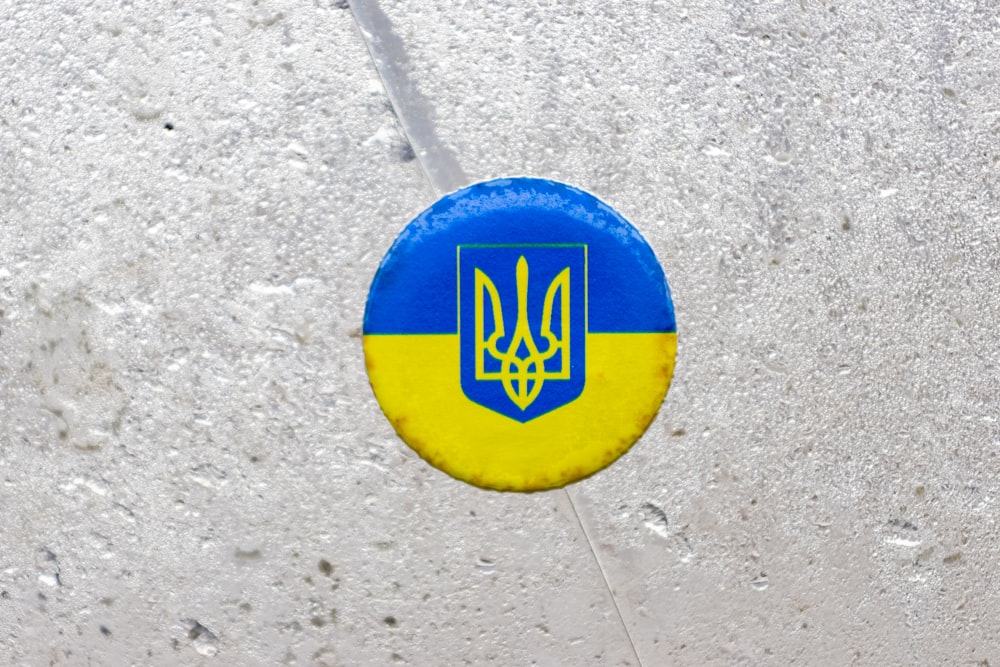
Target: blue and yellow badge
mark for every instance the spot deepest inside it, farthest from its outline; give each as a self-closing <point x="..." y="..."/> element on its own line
<point x="519" y="334"/>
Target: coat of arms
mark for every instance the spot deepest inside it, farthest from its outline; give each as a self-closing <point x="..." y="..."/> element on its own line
<point x="523" y="326"/>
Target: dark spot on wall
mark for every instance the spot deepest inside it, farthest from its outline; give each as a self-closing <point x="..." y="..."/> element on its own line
<point x="406" y="153"/>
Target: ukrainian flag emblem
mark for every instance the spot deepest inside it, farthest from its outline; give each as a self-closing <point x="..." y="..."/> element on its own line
<point x="519" y="334"/>
<point x="522" y="326"/>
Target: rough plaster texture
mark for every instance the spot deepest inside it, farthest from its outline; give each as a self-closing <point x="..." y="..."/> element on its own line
<point x="193" y="199"/>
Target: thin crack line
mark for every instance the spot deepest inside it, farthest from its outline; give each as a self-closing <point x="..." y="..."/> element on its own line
<point x="604" y="575"/>
<point x="441" y="168"/>
<point x="414" y="112"/>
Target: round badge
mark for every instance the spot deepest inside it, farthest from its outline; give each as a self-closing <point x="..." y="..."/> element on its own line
<point x="519" y="334"/>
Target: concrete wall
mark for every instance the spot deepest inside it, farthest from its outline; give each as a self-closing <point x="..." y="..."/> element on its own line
<point x="194" y="197"/>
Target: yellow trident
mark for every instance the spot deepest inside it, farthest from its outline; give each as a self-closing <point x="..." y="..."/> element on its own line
<point x="522" y="374"/>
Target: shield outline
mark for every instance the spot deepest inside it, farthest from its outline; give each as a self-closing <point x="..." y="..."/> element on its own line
<point x="512" y="411"/>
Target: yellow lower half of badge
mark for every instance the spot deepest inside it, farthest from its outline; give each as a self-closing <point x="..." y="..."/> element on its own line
<point x="417" y="381"/>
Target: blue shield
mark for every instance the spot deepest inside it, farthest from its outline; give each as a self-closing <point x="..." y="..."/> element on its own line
<point x="522" y="326"/>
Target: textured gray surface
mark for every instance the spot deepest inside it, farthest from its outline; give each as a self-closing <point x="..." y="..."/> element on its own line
<point x="192" y="468"/>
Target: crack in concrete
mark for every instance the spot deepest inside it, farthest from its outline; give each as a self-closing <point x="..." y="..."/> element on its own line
<point x="413" y="110"/>
<point x="440" y="165"/>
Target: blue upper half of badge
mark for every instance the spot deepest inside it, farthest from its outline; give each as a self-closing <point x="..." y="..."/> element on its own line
<point x="416" y="287"/>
